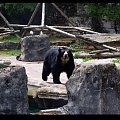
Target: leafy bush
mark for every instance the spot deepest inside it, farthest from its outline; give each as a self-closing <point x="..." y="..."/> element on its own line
<point x="109" y="10"/>
<point x="17" y="8"/>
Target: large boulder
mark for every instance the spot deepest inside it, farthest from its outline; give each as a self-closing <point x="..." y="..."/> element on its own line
<point x="13" y="90"/>
<point x="34" y="47"/>
<point x="94" y="88"/>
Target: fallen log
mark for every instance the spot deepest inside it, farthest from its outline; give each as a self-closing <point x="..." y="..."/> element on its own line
<point x="99" y="51"/>
<point x="60" y="31"/>
<point x="111" y="48"/>
<point x="12" y="32"/>
<point x="8" y="24"/>
<point x="89" y="31"/>
<point x="90" y="40"/>
<point x="17" y="25"/>
<point x="100" y="55"/>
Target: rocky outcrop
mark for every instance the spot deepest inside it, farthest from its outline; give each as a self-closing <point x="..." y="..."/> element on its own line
<point x="34" y="47"/>
<point x="94" y="89"/>
<point x="13" y="90"/>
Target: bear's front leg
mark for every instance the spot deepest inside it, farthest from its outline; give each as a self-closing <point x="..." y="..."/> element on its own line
<point x="69" y="73"/>
<point x="69" y="69"/>
<point x="56" y="77"/>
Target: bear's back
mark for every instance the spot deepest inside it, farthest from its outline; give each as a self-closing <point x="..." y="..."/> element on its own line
<point x="52" y="52"/>
<point x="51" y="56"/>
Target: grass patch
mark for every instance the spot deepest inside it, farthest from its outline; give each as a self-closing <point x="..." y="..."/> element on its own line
<point x="10" y="52"/>
<point x="76" y="48"/>
<point x="54" y="37"/>
<point x="86" y="59"/>
<point x="77" y="56"/>
<point x="117" y="60"/>
<point x="11" y="38"/>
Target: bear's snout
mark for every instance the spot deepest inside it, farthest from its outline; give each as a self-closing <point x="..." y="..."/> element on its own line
<point x="65" y="55"/>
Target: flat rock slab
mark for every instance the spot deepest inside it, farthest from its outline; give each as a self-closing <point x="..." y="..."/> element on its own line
<point x="48" y="90"/>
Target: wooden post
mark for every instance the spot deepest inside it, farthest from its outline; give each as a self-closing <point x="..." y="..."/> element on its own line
<point x="33" y="15"/>
<point x="90" y="31"/>
<point x="18" y="25"/>
<point x="8" y="24"/>
<point x="43" y="16"/>
<point x="99" y="51"/>
<point x="111" y="48"/>
<point x="63" y="14"/>
<point x="32" y="27"/>
<point x="60" y="31"/>
<point x="101" y="55"/>
<point x="9" y="32"/>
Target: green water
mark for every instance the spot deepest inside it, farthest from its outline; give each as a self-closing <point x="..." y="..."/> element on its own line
<point x="33" y="110"/>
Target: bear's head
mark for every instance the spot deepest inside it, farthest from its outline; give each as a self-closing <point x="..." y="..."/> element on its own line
<point x="64" y="54"/>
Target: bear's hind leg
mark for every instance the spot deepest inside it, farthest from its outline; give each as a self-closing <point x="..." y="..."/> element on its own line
<point x="56" y="77"/>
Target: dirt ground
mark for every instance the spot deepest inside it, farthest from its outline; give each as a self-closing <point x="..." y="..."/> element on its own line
<point x="33" y="70"/>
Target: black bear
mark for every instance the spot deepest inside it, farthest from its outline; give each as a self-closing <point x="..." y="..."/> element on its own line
<point x="58" y="60"/>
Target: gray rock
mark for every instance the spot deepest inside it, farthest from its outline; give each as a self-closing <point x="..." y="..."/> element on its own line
<point x="13" y="90"/>
<point x="8" y="45"/>
<point x="94" y="89"/>
<point x="33" y="48"/>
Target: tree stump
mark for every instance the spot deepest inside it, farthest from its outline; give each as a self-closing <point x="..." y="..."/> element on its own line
<point x="94" y="88"/>
<point x="34" y="47"/>
<point x="13" y="90"/>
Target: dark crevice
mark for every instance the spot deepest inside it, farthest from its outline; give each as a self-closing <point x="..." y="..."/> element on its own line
<point x="37" y="104"/>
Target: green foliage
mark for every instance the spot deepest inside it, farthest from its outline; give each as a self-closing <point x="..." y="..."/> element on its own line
<point x="11" y="38"/>
<point x="117" y="60"/>
<point x="91" y="8"/>
<point x="76" y="55"/>
<point x="111" y="11"/>
<point x="10" y="52"/>
<point x="75" y="47"/>
<point x="86" y="59"/>
<point x="17" y="8"/>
